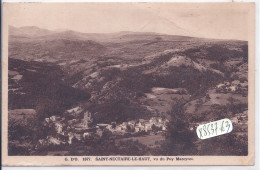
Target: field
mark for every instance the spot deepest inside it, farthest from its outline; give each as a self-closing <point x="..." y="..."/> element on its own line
<point x="148" y="140"/>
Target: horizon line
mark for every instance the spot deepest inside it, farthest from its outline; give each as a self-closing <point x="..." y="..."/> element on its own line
<point x="67" y="30"/>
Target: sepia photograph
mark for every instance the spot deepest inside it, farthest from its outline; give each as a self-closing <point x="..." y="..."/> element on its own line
<point x="128" y="79"/>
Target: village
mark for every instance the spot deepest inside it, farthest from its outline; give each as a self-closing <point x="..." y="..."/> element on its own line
<point x="235" y="86"/>
<point x="75" y="130"/>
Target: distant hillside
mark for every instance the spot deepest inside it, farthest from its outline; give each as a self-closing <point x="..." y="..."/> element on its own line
<point x="123" y="36"/>
<point x="54" y="50"/>
<point x="39" y="86"/>
<point x="33" y="43"/>
<point x="30" y="31"/>
<point x="120" y="70"/>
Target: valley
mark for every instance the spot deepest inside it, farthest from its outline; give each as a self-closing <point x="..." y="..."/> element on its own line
<point x="128" y="82"/>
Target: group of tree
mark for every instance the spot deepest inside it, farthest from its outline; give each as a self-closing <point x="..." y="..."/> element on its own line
<point x="179" y="138"/>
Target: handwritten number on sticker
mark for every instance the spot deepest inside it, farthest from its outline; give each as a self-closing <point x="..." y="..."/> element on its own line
<point x="208" y="129"/>
<point x="200" y="130"/>
<point x="227" y="125"/>
<point x="222" y="127"/>
<point x="205" y="132"/>
<point x="212" y="128"/>
<point x="216" y="128"/>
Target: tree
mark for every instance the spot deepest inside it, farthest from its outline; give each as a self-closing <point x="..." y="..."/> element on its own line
<point x="179" y="138"/>
<point x="113" y="125"/>
<point x="207" y="97"/>
<point x="129" y="128"/>
<point x="228" y="144"/>
<point x="106" y="134"/>
<point x="245" y="53"/>
<point x="156" y="128"/>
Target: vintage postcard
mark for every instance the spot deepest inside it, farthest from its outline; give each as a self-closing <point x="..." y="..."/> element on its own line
<point x="128" y="84"/>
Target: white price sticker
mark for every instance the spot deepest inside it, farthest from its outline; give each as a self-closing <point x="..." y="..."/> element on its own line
<point x="216" y="128"/>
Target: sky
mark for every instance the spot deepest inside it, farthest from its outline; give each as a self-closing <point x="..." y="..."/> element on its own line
<point x="228" y="21"/>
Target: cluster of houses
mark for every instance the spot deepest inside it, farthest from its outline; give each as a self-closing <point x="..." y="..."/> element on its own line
<point x="141" y="125"/>
<point x="235" y="86"/>
<point x="67" y="130"/>
<point x="241" y="118"/>
<point x="58" y="123"/>
<point x="81" y="129"/>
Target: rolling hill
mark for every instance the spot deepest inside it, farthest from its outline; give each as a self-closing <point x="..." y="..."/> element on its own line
<point x="124" y="77"/>
<point x="123" y="68"/>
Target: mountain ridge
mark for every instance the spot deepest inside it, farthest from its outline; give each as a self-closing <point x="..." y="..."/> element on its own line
<point x="37" y="32"/>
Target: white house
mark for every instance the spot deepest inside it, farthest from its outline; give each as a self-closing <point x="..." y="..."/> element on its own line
<point x="100" y="132"/>
<point x="148" y="127"/>
<point x="54" y="141"/>
<point x="163" y="127"/>
<point x="47" y="120"/>
<point x="86" y="135"/>
<point x="232" y="88"/>
<point x="58" y="127"/>
<point x="78" y="136"/>
<point x="71" y="136"/>
<point x="54" y="118"/>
